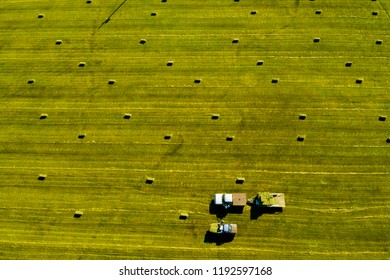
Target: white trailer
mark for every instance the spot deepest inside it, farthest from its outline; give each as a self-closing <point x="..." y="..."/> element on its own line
<point x="228" y="200"/>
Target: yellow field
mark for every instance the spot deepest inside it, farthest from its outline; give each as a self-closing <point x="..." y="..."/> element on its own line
<point x="336" y="181"/>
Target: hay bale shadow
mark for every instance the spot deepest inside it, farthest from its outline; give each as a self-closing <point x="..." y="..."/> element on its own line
<point x="316" y="40"/>
<point x="302" y="117"/>
<point x="257" y="212"/>
<point x="218" y="239"/>
<point x="78" y="214"/>
<point x="127" y="116"/>
<point x="240" y="180"/>
<point x="183" y="216"/>
<point x="149" y="180"/>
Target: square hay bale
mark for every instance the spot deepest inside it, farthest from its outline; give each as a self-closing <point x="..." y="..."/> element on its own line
<point x="41" y="16"/>
<point x="275" y="81"/>
<point x="43" y="116"/>
<point x="240" y="180"/>
<point x="348" y="64"/>
<point x="58" y="42"/>
<point x="168" y="137"/>
<point x="253" y="12"/>
<point x="359" y="81"/>
<point x="78" y="214"/>
<point x="379" y="42"/>
<point x="170" y="63"/>
<point x="42" y="177"/>
<point x="300" y="138"/>
<point x="374" y="13"/>
<point x="197" y="81"/>
<point x="235" y="41"/>
<point x="82" y="64"/>
<point x="318" y="12"/>
<point x="127" y="116"/>
<point x="316" y="40"/>
<point x="215" y="116"/>
<point x="149" y="180"/>
<point x="30" y="81"/>
<point x="142" y="41"/>
<point x="229" y="138"/>
<point x="153" y="14"/>
<point x="302" y="117"/>
<point x="82" y="135"/>
<point x="382" y="118"/>
<point x="111" y="82"/>
<point x="259" y="63"/>
<point x="183" y="216"/>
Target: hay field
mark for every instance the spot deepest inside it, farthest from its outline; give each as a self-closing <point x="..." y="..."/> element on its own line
<point x="336" y="181"/>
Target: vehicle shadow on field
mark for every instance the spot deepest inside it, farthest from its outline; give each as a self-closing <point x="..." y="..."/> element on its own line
<point x="221" y="211"/>
<point x="257" y="212"/>
<point x="218" y="239"/>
